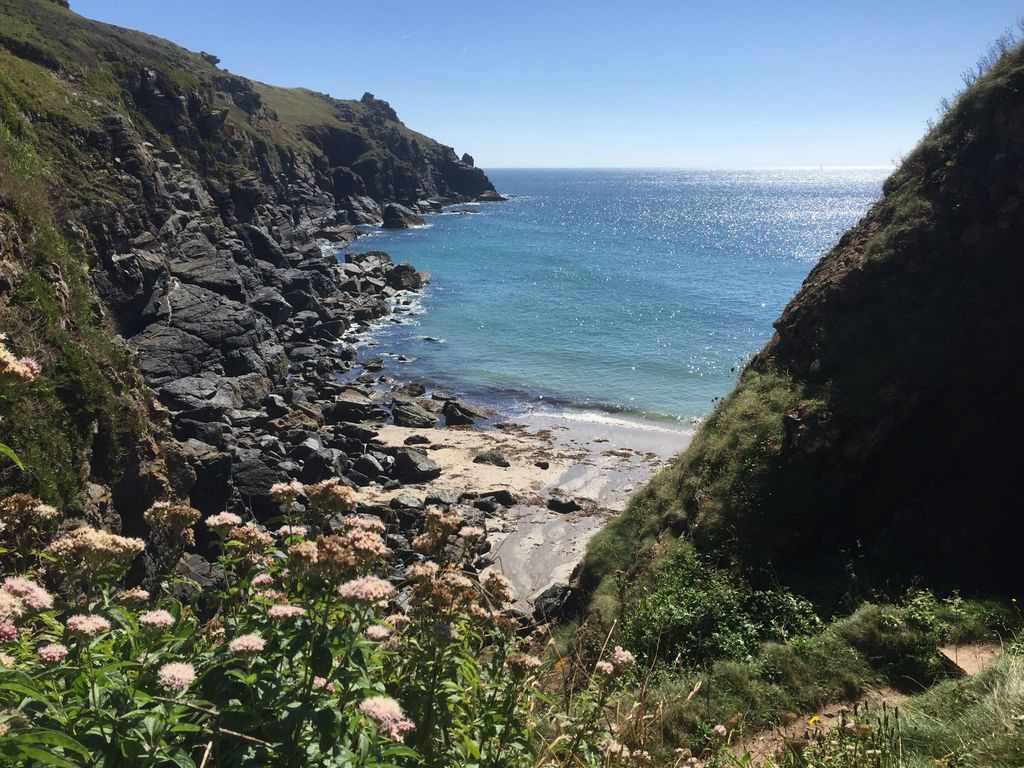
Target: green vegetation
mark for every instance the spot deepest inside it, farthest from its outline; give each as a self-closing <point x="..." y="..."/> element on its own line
<point x="77" y="410"/>
<point x="299" y="656"/>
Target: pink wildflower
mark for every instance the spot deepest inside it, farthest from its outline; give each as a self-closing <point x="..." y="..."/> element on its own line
<point x="247" y="645"/>
<point x="286" y="611"/>
<point x="159" y="619"/>
<point x="176" y="676"/>
<point x="604" y="668"/>
<point x="622" y="659"/>
<point x="7" y="630"/>
<point x="378" y="633"/>
<point x="368" y="589"/>
<point x="132" y="596"/>
<point x="34" y="596"/>
<point x="287" y="491"/>
<point x="322" y="683"/>
<point x="33" y="366"/>
<point x="53" y="653"/>
<point x="223" y="521"/>
<point x="87" y="625"/>
<point x="262" y="581"/>
<point x="388" y="715"/>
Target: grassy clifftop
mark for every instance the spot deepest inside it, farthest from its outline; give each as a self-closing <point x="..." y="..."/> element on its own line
<point x="874" y="442"/>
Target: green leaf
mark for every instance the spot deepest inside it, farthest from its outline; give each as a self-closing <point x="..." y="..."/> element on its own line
<point x="10" y="454"/>
<point x="53" y="738"/>
<point x="44" y="756"/>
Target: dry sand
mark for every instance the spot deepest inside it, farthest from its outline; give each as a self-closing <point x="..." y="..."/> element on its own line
<point x="594" y="459"/>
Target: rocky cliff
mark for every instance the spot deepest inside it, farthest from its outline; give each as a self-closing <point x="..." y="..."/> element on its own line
<point x="875" y="441"/>
<point x="161" y="223"/>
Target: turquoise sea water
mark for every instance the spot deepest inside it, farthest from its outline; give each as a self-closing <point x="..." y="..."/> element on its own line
<point x="640" y="292"/>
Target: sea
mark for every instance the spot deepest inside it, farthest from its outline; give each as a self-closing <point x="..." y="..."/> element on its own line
<point x="635" y="293"/>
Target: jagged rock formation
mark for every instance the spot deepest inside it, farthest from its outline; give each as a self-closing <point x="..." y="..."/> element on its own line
<point x="183" y="209"/>
<point x="874" y="442"/>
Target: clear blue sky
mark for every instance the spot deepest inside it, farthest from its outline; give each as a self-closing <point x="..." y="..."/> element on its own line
<point x="559" y="83"/>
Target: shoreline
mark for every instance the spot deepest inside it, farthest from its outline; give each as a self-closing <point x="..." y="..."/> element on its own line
<point x="583" y="460"/>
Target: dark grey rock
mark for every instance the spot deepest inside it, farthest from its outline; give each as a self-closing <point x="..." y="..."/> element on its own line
<point x="397" y="216"/>
<point x="404" y="277"/>
<point x="443" y="497"/>
<point x="456" y="414"/>
<point x="409" y="414"/>
<point x="503" y="496"/>
<point x="497" y="458"/>
<point x="563" y="506"/>
<point x="414" y="466"/>
<point x="550" y="604"/>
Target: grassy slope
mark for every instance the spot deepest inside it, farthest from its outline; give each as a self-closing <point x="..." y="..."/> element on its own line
<point x="871" y="442"/>
<point x="81" y="47"/>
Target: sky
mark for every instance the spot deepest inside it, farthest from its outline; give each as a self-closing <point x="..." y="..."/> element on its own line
<point x="640" y="84"/>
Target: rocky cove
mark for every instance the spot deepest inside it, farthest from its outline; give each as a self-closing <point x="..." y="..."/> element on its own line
<point x="275" y="390"/>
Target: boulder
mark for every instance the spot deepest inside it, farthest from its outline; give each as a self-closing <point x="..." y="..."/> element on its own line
<point x="397" y="216"/>
<point x="563" y="506"/>
<point x="550" y="604"/>
<point x="456" y="414"/>
<point x="409" y="414"/>
<point x="404" y="277"/>
<point x="497" y="458"/>
<point x="413" y="466"/>
<point x="271" y="303"/>
<point x="350" y="405"/>
<point x="503" y="496"/>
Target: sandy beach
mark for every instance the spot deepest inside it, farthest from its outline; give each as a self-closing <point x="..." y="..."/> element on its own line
<point x="590" y="458"/>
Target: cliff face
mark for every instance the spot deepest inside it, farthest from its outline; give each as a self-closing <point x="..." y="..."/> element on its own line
<point x="158" y="226"/>
<point x="874" y="441"/>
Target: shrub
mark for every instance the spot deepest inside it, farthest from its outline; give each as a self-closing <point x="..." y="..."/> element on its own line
<point x="304" y="657"/>
<point x="697" y="612"/>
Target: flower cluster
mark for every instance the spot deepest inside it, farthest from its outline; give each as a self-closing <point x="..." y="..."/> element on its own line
<point x="286" y="611"/>
<point x="254" y="544"/>
<point x="249" y="644"/>
<point x="14" y="368"/>
<point x="52" y="653"/>
<point x="176" y="676"/>
<point x="223" y="522"/>
<point x="87" y="625"/>
<point x="334" y="557"/>
<point x="330" y="498"/>
<point x="286" y="493"/>
<point x="86" y="553"/>
<point x="158" y="619"/>
<point x="523" y="664"/>
<point x="438" y="524"/>
<point x="24" y="520"/>
<point x="290" y="531"/>
<point x="11" y="607"/>
<point x="368" y="589"/>
<point x="30" y="593"/>
<point x="388" y="715"/>
<point x="133" y="596"/>
<point x="173" y="520"/>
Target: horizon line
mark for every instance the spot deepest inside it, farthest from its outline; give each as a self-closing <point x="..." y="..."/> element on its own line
<point x="866" y="167"/>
